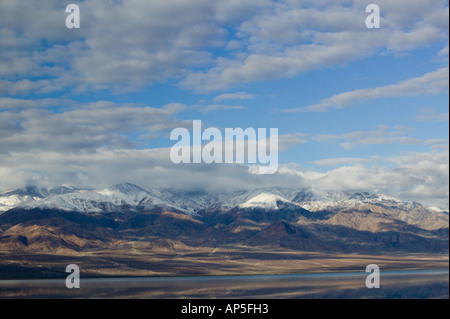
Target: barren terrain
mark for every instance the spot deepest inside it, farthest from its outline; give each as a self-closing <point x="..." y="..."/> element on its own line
<point x="237" y="260"/>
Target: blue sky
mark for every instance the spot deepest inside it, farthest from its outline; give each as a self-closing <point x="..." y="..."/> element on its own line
<point x="356" y="108"/>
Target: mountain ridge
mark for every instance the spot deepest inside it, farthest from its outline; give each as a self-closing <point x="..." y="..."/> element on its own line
<point x="128" y="196"/>
<point x="126" y="215"/>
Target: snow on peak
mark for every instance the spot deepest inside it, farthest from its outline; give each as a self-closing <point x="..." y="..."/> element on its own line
<point x="315" y="200"/>
<point x="25" y="195"/>
<point x="128" y="194"/>
<point x="438" y="209"/>
<point x="264" y="200"/>
<point x="124" y="188"/>
<point x="124" y="196"/>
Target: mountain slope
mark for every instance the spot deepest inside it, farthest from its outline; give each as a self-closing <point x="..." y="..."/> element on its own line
<point x="47" y="230"/>
<point x="410" y="212"/>
<point x="356" y="210"/>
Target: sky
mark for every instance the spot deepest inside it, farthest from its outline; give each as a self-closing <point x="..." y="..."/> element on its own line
<point x="356" y="108"/>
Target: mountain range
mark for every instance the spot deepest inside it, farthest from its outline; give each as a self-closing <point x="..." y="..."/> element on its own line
<point x="71" y="219"/>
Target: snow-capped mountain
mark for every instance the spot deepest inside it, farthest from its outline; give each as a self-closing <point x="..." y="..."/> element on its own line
<point x="29" y="195"/>
<point x="314" y="199"/>
<point x="301" y="219"/>
<point x="130" y="197"/>
<point x="124" y="196"/>
<point x="413" y="213"/>
<point x="128" y="194"/>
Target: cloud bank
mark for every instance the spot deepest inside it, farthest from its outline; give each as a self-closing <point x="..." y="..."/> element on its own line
<point x="129" y="44"/>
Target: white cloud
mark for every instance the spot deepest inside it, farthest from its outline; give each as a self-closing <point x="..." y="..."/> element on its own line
<point x="382" y="135"/>
<point x="444" y="52"/>
<point x="292" y="38"/>
<point x="286" y="141"/>
<point x="22" y="87"/>
<point x="129" y="44"/>
<point x="12" y="103"/>
<point x="126" y="45"/>
<point x="256" y="67"/>
<point x="430" y="83"/>
<point x="421" y="177"/>
<point x="430" y="115"/>
<point x="234" y="96"/>
<point x="103" y="124"/>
